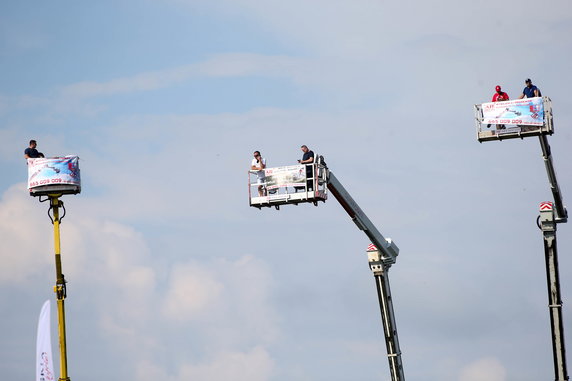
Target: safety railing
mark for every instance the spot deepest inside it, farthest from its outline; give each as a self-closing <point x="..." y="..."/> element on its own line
<point x="291" y="184"/>
<point x="54" y="175"/>
<point x="518" y="118"/>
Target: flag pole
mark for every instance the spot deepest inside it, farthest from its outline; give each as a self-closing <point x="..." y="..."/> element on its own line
<point x="44" y="363"/>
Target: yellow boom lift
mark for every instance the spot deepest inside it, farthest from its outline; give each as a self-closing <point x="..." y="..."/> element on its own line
<point x="49" y="179"/>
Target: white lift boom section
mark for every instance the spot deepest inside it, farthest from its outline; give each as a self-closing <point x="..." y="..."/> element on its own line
<point x="381" y="255"/>
<point x="388" y="249"/>
<point x="550" y="215"/>
<point x="560" y="209"/>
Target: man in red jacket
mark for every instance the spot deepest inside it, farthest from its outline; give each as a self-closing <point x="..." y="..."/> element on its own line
<point x="499" y="96"/>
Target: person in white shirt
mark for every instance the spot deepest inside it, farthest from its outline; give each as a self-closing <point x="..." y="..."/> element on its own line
<point x="258" y="164"/>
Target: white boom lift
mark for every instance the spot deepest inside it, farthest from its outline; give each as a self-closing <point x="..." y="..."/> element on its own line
<point x="534" y="118"/>
<point x="314" y="180"/>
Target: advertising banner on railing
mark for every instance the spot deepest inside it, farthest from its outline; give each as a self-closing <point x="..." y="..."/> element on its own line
<point x="53" y="170"/>
<point x="526" y="112"/>
<point x="290" y="176"/>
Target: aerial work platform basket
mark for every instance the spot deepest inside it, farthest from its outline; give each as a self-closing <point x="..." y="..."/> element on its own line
<point x="293" y="184"/>
<point x="54" y="176"/>
<point x="519" y="118"/>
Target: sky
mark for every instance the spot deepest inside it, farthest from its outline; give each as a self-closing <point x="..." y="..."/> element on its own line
<point x="172" y="276"/>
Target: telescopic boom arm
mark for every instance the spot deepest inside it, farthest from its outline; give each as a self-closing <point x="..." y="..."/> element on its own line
<point x="559" y="208"/>
<point x="387" y="247"/>
<point x="381" y="255"/>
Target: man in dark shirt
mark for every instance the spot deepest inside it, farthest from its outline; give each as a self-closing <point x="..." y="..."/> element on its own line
<point x="308" y="158"/>
<point x="530" y="91"/>
<point x="31" y="152"/>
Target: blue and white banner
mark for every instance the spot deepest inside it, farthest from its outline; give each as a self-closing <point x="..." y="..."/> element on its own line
<point x="526" y="112"/>
<point x="44" y="362"/>
<point x="53" y="170"/>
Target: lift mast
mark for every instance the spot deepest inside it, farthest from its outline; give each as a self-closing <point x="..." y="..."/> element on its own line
<point x="550" y="215"/>
<point x="60" y="287"/>
<point x="381" y="255"/>
<point x="548" y="226"/>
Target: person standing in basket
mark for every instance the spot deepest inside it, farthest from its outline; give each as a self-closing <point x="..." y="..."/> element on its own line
<point x="258" y="164"/>
<point x="31" y="152"/>
<point x="499" y="96"/>
<point x="530" y="91"/>
<point x="308" y="158"/>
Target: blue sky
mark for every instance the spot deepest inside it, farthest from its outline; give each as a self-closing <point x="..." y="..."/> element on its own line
<point x="172" y="276"/>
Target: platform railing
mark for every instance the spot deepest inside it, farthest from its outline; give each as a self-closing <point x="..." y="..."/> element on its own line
<point x="288" y="184"/>
<point x="517" y="118"/>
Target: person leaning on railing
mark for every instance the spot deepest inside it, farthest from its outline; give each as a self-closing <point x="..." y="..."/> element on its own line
<point x="31" y="152"/>
<point x="530" y="91"/>
<point x="258" y="164"/>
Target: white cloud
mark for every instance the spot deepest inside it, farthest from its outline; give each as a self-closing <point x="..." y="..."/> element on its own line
<point x="140" y="82"/>
<point x="79" y="98"/>
<point x="96" y="255"/>
<point x="220" y="313"/>
<point x="26" y="235"/>
<point x="208" y="293"/>
<point x="487" y="368"/>
<point x="343" y="76"/>
<point x="113" y="275"/>
<point x="254" y="365"/>
<point x="222" y="65"/>
<point x="192" y="290"/>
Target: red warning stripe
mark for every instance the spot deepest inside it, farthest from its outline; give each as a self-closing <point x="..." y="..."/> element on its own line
<point x="546" y="206"/>
<point x="371" y="247"/>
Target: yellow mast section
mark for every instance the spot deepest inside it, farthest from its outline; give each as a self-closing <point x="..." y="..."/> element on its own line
<point x="60" y="287"/>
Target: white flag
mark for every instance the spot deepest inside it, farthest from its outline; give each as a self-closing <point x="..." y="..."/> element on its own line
<point x="44" y="365"/>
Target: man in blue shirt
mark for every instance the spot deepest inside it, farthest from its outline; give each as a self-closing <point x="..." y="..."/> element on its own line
<point x="31" y="152"/>
<point x="530" y="91"/>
